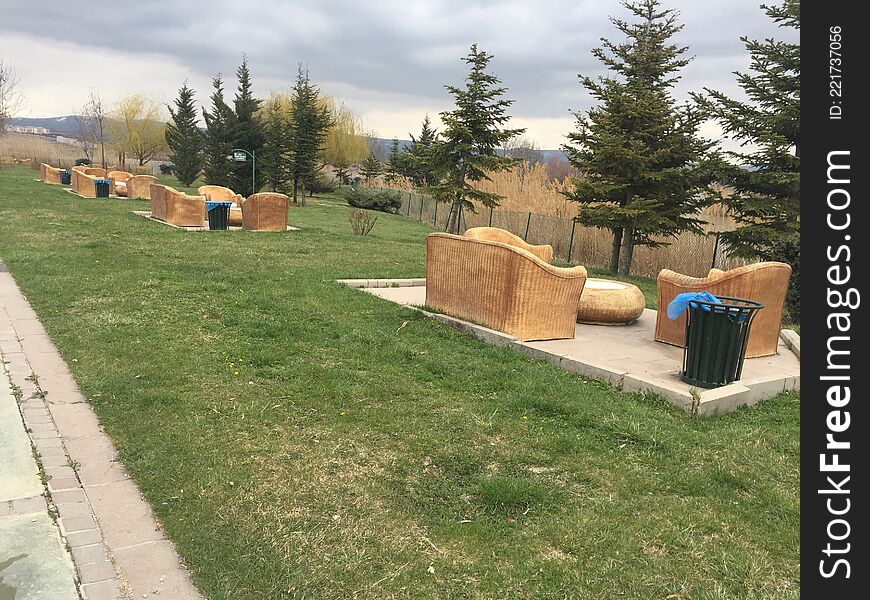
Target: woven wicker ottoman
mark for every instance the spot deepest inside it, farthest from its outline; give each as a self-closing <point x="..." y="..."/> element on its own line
<point x="606" y="302"/>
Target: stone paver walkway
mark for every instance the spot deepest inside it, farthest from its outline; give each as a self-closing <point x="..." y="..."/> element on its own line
<point x="118" y="548"/>
<point x="34" y="562"/>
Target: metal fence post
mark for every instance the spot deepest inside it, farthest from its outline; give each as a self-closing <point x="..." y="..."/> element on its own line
<point x="408" y="214"/>
<point x="490" y="216"/>
<point x="435" y="218"/>
<point x="571" y="243"/>
<point x="421" y="207"/>
<point x="529" y="222"/>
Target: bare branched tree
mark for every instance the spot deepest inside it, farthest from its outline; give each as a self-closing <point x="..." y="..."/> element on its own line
<point x="528" y="153"/>
<point x="11" y="100"/>
<point x="95" y="124"/>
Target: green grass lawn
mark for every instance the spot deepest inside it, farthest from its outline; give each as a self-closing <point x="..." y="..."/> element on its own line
<point x="301" y="439"/>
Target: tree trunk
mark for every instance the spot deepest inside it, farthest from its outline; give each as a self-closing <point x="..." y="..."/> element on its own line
<point x="103" y="154"/>
<point x="453" y="223"/>
<point x="295" y="188"/>
<point x="627" y="252"/>
<point x="303" y="192"/>
<point x="614" y="251"/>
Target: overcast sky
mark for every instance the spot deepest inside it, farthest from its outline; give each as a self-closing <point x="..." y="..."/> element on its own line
<point x="388" y="60"/>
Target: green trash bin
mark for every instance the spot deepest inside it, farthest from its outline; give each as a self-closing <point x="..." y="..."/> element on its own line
<point x="101" y="186"/>
<point x="716" y="336"/>
<point x="218" y="214"/>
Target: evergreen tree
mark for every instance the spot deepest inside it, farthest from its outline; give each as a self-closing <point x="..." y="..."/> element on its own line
<point x="645" y="171"/>
<point x="184" y="138"/>
<point x="248" y="133"/>
<point x="274" y="161"/>
<point x="219" y="125"/>
<point x="310" y="125"/>
<point x="474" y="131"/>
<point x="394" y="168"/>
<point x="418" y="162"/>
<point x="766" y="185"/>
<point x="371" y="168"/>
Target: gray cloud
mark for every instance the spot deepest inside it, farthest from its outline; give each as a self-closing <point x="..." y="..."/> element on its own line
<point x="387" y="54"/>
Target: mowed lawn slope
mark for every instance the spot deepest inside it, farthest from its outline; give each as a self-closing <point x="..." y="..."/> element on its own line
<point x="300" y="439"/>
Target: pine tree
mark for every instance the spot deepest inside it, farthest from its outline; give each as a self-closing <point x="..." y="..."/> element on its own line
<point x="310" y="125"/>
<point x="394" y="167"/>
<point x="220" y="125"/>
<point x="247" y="134"/>
<point x="274" y="161"/>
<point x="473" y="133"/>
<point x="644" y="169"/>
<point x="184" y="138"/>
<point x="371" y="168"/>
<point x="418" y="162"/>
<point x="766" y="185"/>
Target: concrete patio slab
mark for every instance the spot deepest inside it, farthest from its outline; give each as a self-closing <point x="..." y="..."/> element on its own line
<point x="626" y="356"/>
<point x="204" y="227"/>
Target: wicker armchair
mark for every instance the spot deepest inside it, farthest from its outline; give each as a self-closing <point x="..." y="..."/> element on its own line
<point x="501" y="286"/>
<point x="265" y="212"/>
<point x="218" y="193"/>
<point x="176" y="208"/>
<point x="119" y="178"/>
<point x="49" y="174"/>
<point x="139" y="186"/>
<point x="494" y="234"/>
<point x="765" y="282"/>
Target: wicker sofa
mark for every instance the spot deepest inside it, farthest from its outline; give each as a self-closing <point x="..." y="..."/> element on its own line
<point x="494" y="234"/>
<point x="119" y="179"/>
<point x="49" y="174"/>
<point x="176" y="208"/>
<point x="219" y="193"/>
<point x="139" y="186"/>
<point x="502" y="286"/>
<point x="266" y="211"/>
<point x="765" y="282"/>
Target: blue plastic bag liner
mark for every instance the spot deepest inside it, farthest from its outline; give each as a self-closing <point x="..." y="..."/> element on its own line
<point x="679" y="304"/>
<point x="211" y="205"/>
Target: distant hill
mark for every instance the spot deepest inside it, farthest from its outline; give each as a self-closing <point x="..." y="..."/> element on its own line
<point x="67" y="125"/>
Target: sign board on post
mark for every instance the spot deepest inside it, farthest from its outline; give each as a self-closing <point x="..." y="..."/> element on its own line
<point x="239" y="156"/>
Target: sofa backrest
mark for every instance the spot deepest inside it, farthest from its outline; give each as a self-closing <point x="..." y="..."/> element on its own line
<point x="117" y="176"/>
<point x="218" y="193"/>
<point x="494" y="234"/>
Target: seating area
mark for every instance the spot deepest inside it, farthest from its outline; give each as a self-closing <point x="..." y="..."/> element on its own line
<point x="218" y="193"/>
<point x="258" y="212"/>
<point x="82" y="181"/>
<point x="494" y="285"/>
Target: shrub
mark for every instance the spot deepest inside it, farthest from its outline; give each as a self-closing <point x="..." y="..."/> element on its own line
<point x="166" y="169"/>
<point x="383" y="200"/>
<point x="362" y="222"/>
<point x="82" y="161"/>
<point x="321" y="185"/>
